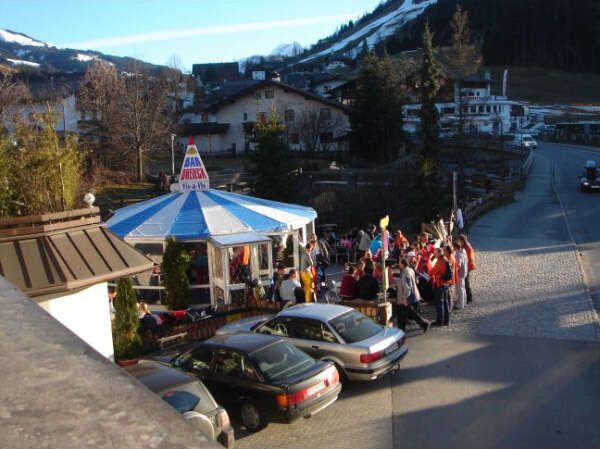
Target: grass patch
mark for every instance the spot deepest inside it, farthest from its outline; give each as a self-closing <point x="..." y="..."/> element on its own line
<point x="540" y="85"/>
<point x="115" y="196"/>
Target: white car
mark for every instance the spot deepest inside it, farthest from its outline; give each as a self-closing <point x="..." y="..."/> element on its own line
<point x="525" y="141"/>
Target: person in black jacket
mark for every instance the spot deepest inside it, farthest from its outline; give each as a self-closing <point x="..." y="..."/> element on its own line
<point x="368" y="287"/>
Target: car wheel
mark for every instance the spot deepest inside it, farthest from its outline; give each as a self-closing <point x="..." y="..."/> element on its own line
<point x="252" y="418"/>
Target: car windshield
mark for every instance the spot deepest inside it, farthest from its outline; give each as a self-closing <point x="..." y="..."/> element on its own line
<point x="182" y="401"/>
<point x="281" y="360"/>
<point x="353" y="326"/>
<point x="190" y="397"/>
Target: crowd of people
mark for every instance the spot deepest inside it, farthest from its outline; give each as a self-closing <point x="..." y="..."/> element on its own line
<point x="435" y="268"/>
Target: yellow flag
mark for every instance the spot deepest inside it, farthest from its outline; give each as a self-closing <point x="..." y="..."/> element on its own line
<point x="384" y="222"/>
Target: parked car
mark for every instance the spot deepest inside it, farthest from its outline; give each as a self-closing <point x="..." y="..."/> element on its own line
<point x="361" y="348"/>
<point x="525" y="141"/>
<point x="188" y="396"/>
<point x="590" y="180"/>
<point x="260" y="377"/>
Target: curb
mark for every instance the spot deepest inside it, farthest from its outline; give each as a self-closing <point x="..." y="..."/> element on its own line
<point x="577" y="251"/>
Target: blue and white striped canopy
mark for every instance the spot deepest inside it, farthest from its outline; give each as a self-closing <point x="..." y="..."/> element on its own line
<point x="202" y="214"/>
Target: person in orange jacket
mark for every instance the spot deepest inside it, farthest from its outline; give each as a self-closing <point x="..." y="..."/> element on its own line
<point x="441" y="276"/>
<point x="464" y="242"/>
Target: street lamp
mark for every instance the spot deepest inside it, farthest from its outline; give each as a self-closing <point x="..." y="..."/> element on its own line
<point x="173" y="153"/>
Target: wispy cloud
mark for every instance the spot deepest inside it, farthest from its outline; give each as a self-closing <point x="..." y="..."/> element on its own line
<point x="207" y="31"/>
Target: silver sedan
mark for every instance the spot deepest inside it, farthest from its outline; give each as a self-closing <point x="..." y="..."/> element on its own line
<point x="360" y="348"/>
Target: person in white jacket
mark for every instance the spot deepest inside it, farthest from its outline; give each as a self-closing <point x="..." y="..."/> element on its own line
<point x="407" y="302"/>
<point x="462" y="269"/>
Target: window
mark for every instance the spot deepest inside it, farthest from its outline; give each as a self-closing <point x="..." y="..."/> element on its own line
<point x="290" y="115"/>
<point x="278" y="326"/>
<point x="325" y="114"/>
<point x="308" y="329"/>
<point x="245" y="116"/>
<point x="257" y="95"/>
<point x="198" y="361"/>
<point x="281" y="361"/>
<point x="353" y="326"/>
<point x="204" y="117"/>
<point x="182" y="401"/>
<point x="270" y="93"/>
<point x="261" y="117"/>
<point x="480" y="109"/>
<point x="326" y="137"/>
<point x="294" y="138"/>
<point x="488" y="109"/>
<point x="227" y="363"/>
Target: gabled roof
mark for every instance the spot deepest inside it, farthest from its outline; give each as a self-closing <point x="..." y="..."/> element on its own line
<point x="231" y="92"/>
<point x="199" y="129"/>
<point x="59" y="256"/>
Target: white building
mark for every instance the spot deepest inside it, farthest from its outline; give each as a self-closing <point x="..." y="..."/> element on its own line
<point x="482" y="112"/>
<point x="224" y="124"/>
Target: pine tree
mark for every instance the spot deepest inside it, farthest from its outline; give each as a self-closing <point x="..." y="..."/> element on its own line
<point x="126" y="340"/>
<point x="175" y="264"/>
<point x="430" y="83"/>
<point x="376" y="115"/>
<point x="273" y="161"/>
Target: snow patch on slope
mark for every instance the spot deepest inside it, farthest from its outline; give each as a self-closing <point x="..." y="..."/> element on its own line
<point x="378" y="29"/>
<point x="22" y="62"/>
<point x="83" y="57"/>
<point x="20" y="39"/>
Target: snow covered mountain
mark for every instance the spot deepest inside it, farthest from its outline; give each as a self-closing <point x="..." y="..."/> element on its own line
<point x="20" y="52"/>
<point x="20" y="39"/>
<point x="288" y="50"/>
<point x="371" y="29"/>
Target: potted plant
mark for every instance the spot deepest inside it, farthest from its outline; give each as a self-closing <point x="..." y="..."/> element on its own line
<point x="126" y="340"/>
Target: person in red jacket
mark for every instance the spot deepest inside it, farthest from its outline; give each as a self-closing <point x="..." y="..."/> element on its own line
<point x="464" y="242"/>
<point x="348" y="285"/>
<point x="441" y="277"/>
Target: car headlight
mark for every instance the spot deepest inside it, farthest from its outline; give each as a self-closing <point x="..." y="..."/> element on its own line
<point x="585" y="183"/>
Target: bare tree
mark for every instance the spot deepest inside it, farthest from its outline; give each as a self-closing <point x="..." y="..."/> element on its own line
<point x="13" y="94"/>
<point x="316" y="129"/>
<point x="146" y="121"/>
<point x="464" y="57"/>
<point x="125" y="114"/>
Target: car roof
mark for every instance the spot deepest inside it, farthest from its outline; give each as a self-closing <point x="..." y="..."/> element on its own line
<point x="315" y="311"/>
<point x="245" y="342"/>
<point x="158" y="377"/>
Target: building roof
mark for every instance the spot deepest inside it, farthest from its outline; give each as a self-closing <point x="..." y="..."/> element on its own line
<point x="58" y="392"/>
<point x="231" y="92"/>
<point x="195" y="129"/>
<point x="43" y="255"/>
<point x="222" y="70"/>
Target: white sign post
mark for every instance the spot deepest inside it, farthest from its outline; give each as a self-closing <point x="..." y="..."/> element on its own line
<point x="193" y="175"/>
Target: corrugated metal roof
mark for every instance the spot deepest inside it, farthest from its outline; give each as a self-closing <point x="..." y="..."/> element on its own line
<point x="67" y="259"/>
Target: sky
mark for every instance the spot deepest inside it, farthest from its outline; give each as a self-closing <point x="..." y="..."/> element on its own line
<point x="195" y="31"/>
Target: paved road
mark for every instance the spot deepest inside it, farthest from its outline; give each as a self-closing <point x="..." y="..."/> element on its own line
<point x="519" y="368"/>
<point x="582" y="209"/>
